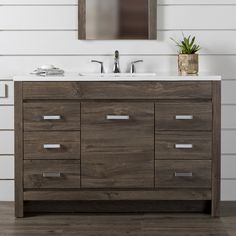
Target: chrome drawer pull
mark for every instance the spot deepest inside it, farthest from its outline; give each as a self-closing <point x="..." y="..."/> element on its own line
<point x="117" y="117"/>
<point x="183" y="146"/>
<point x="183" y="174"/>
<point x="184" y="117"/>
<point x="51" y="117"/>
<point x="51" y="174"/>
<point x="52" y="146"/>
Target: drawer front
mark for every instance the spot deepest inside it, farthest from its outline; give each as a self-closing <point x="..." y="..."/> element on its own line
<point x="6" y="92"/>
<point x="52" y="145"/>
<point x="183" y="174"/>
<point x="183" y="116"/>
<point x="45" y="174"/>
<point x="6" y="117"/>
<point x="183" y="145"/>
<point x="117" y="145"/>
<point x="51" y="90"/>
<point x="117" y="90"/>
<point x="51" y="116"/>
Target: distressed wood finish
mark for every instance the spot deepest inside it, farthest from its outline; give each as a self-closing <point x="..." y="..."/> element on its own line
<point x="117" y="153"/>
<point x="165" y="145"/>
<point x="82" y="19"/>
<point x="166" y="116"/>
<point x="166" y="170"/>
<point x="152" y="19"/>
<point x="216" y="151"/>
<point x="69" y="145"/>
<point x="19" y="151"/>
<point x="34" y="112"/>
<point x="53" y="90"/>
<point x="129" y="158"/>
<point x="119" y="195"/>
<point x="69" y="174"/>
<point x="117" y="90"/>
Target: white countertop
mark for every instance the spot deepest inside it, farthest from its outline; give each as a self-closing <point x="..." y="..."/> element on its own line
<point x="87" y="77"/>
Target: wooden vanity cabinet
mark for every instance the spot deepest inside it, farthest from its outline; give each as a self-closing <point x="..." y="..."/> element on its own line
<point x="116" y="141"/>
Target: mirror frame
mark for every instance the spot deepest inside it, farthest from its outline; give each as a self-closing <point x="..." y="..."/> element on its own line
<point x="152" y="15"/>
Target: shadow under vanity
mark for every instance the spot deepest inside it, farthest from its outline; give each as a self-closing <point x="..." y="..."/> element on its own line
<point x="79" y="142"/>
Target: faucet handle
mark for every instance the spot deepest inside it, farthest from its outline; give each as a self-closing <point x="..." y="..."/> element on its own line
<point x="101" y="63"/>
<point x="132" y="66"/>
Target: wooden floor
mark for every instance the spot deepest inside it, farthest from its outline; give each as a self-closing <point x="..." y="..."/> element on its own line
<point x="116" y="224"/>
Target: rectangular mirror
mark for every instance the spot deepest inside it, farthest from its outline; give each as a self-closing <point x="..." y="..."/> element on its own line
<point x="117" y="19"/>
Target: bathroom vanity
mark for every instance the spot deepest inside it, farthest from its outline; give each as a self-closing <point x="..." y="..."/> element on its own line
<point x="83" y="138"/>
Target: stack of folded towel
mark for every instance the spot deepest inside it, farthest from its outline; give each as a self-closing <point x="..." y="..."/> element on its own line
<point x="48" y="70"/>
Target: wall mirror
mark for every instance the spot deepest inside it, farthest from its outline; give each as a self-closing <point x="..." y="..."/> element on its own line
<point x="117" y="19"/>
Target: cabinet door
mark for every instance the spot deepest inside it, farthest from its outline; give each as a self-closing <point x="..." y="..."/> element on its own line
<point x="117" y="145"/>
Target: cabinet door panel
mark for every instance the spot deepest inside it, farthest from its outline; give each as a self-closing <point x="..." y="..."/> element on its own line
<point x="117" y="145"/>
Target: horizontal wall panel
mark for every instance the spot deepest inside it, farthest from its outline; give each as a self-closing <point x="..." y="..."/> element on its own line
<point x="228" y="92"/>
<point x="196" y="17"/>
<point x="228" y="116"/>
<point x="6" y="142"/>
<point x="6" y="117"/>
<point x="66" y="42"/>
<point x="6" y="167"/>
<point x="7" y="91"/>
<point x="38" y="17"/>
<point x="228" y="167"/>
<point x="37" y="2"/>
<point x="6" y="190"/>
<point x="193" y="2"/>
<point x="228" y="141"/>
<point x="228" y="190"/>
<point x="221" y="65"/>
<point x="169" y="17"/>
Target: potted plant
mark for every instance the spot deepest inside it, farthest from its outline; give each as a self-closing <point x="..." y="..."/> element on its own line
<point x="187" y="58"/>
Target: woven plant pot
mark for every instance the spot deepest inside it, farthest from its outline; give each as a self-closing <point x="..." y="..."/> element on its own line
<point x="188" y="64"/>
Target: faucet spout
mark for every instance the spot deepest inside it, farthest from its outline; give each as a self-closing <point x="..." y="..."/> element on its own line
<point x="116" y="68"/>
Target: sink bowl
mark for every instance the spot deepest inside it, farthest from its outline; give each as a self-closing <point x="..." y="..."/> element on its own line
<point x="117" y="74"/>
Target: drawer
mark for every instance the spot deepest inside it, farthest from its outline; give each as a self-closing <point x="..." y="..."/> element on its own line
<point x="6" y="142"/>
<point x="51" y="90"/>
<point x="117" y="145"/>
<point x="7" y="117"/>
<point x="6" y="92"/>
<point x="51" y="116"/>
<point x="117" y="90"/>
<point x="183" y="116"/>
<point x="52" y="145"/>
<point x="44" y="174"/>
<point x="183" y="173"/>
<point x="183" y="145"/>
<point x="146" y="90"/>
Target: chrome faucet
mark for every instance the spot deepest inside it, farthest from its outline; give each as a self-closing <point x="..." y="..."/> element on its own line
<point x="132" y="66"/>
<point x="101" y="63"/>
<point x="116" y="68"/>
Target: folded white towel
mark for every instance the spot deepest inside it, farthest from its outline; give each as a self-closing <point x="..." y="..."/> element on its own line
<point x="48" y="72"/>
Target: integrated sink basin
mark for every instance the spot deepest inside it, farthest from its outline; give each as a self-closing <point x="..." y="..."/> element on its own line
<point x="117" y="74"/>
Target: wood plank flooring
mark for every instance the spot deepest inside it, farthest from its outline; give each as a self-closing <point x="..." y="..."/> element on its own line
<point x="117" y="224"/>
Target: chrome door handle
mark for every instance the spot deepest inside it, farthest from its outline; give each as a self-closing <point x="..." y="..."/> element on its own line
<point x="58" y="117"/>
<point x="117" y="117"/>
<point x="183" y="146"/>
<point x="52" y="146"/>
<point x="183" y="174"/>
<point x="183" y="117"/>
<point x="51" y="174"/>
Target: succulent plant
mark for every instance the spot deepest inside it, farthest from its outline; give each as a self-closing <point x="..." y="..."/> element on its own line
<point x="187" y="45"/>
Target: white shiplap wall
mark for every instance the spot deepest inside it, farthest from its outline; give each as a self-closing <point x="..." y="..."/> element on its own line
<point x="45" y="32"/>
